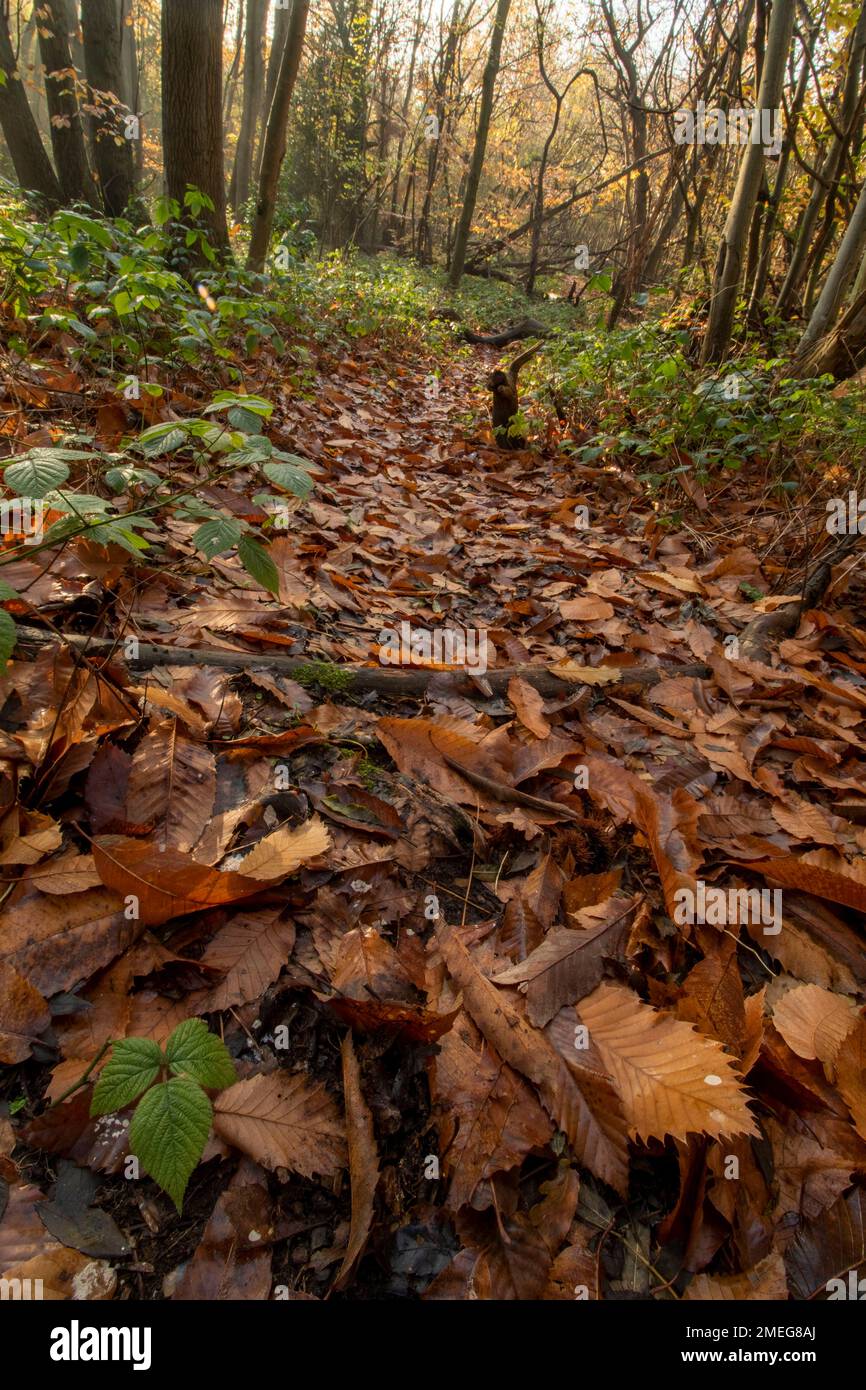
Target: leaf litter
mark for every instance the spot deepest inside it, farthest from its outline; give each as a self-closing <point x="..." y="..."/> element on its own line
<point x="481" y="1052"/>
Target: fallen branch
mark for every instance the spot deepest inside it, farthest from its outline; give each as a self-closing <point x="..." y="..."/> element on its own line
<point x="385" y="680"/>
<point x="526" y="328"/>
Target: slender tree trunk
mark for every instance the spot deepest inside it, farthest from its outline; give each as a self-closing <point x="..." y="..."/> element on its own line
<point x="422" y="239"/>
<point x="842" y="272"/>
<point x="32" y="166"/>
<point x="488" y="84"/>
<point x="275" y="57"/>
<point x="254" y="78"/>
<point x="274" y="151"/>
<point x="67" y="134"/>
<point x="128" y="92"/>
<point x="192" y="128"/>
<point x="771" y="220"/>
<point x="729" y="267"/>
<point x="824" y="186"/>
<point x="103" y="61"/>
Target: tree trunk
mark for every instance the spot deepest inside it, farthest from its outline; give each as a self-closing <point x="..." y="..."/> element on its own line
<point x="729" y="267"/>
<point x="254" y="79"/>
<point x="32" y="166"/>
<point x="275" y="58"/>
<point x="842" y="272"/>
<point x="128" y="92"/>
<point x="794" y="113"/>
<point x="192" y="128"/>
<point x="825" y="185"/>
<point x="441" y="78"/>
<point x="488" y="83"/>
<point x="274" y="151"/>
<point x="67" y="134"/>
<point x="102" y="56"/>
<point x="842" y="351"/>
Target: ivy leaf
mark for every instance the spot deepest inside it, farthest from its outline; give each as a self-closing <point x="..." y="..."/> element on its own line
<point x="8" y="636"/>
<point x="216" y="536"/>
<point x="258" y="563"/>
<point x="37" y="473"/>
<point x="133" y="1066"/>
<point x="192" y="1050"/>
<point x="169" y="1131"/>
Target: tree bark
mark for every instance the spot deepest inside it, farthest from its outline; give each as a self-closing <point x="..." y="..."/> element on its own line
<point x="729" y="267"/>
<point x="254" y="79"/>
<point x="274" y="151"/>
<point x="192" y="127"/>
<point x="101" y="20"/>
<point x="488" y="84"/>
<point x="33" y="168"/>
<point x="842" y="272"/>
<point x="275" y="58"/>
<point x="67" y="133"/>
<point x="825" y="184"/>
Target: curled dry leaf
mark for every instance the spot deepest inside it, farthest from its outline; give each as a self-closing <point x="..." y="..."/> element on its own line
<point x="363" y="1162"/>
<point x="814" y="1021"/>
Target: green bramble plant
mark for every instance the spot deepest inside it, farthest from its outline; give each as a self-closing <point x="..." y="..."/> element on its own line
<point x="172" y="1120"/>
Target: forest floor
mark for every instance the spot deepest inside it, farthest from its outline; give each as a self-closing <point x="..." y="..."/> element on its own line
<point x="553" y="1085"/>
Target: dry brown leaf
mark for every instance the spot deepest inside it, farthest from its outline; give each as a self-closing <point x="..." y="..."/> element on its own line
<point x="490" y="1119"/>
<point x="597" y="1138"/>
<point x="672" y="1079"/>
<point x="363" y="1161"/>
<point x="172" y="783"/>
<point x="814" y="1021"/>
<point x="820" y="874"/>
<point x="252" y="950"/>
<point x="283" y="1122"/>
<point x="279" y="854"/>
<point x="529" y="706"/>
<point x="766" y="1281"/>
<point x="56" y="942"/>
<point x="24" y="1015"/>
<point x="570" y="960"/>
<point x="850" y="1068"/>
<point x="165" y="884"/>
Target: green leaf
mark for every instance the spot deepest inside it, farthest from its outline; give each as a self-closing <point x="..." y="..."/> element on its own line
<point x="7" y="592"/>
<point x="192" y="1050"/>
<point x="127" y="474"/>
<point x="257" y="562"/>
<point x="36" y="473"/>
<point x="166" y="442"/>
<point x="79" y="259"/>
<point x="86" y="226"/>
<point x="292" y="475"/>
<point x="8" y="636"/>
<point x="133" y="1066"/>
<point x="169" y="1131"/>
<point x="216" y="536"/>
<point x="245" y="420"/>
